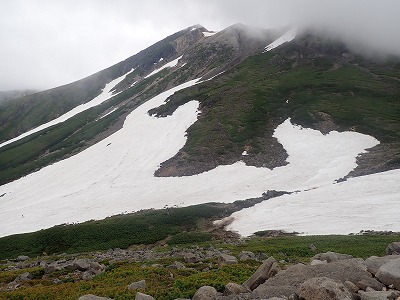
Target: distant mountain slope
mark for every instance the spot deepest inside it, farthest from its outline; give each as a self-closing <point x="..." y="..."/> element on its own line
<point x="202" y="55"/>
<point x="317" y="82"/>
<point x="7" y="95"/>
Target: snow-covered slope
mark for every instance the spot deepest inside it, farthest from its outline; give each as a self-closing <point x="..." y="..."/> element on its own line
<point x="105" y="95"/>
<point x="116" y="175"/>
<point x="171" y="64"/>
<point x="286" y="37"/>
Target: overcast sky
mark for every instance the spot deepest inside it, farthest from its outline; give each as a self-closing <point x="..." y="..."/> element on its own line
<point x="47" y="43"/>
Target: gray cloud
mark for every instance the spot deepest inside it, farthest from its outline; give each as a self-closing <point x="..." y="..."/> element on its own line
<point x="46" y="43"/>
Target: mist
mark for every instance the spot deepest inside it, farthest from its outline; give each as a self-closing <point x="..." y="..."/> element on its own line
<point x="47" y="43"/>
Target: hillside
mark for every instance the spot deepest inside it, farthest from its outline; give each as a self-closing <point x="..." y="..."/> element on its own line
<point x="216" y="117"/>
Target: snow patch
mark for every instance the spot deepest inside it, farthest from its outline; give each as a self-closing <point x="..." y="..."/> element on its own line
<point x="105" y="95"/>
<point x="110" y="112"/>
<point x="286" y="37"/>
<point x="116" y="174"/>
<point x="207" y="34"/>
<point x="171" y="64"/>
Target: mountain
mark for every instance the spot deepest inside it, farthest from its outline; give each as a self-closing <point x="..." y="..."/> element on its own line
<point x="212" y="117"/>
<point x="6" y="95"/>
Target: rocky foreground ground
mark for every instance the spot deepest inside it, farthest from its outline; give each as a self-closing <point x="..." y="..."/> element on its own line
<point x="329" y="275"/>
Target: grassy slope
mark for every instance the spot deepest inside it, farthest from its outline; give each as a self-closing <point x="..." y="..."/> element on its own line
<point x="313" y="85"/>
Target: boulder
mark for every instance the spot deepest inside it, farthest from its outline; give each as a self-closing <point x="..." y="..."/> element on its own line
<point x="225" y="259"/>
<point x="266" y="292"/>
<point x="177" y="265"/>
<point x="138" y="285"/>
<point x="267" y="269"/>
<point x="141" y="296"/>
<point x="366" y="282"/>
<point x="22" y="258"/>
<point x="234" y="289"/>
<point x="323" y="288"/>
<point x="291" y="278"/>
<point x="373" y="263"/>
<point x="190" y="258"/>
<point x="393" y="248"/>
<point x="23" y="277"/>
<point x="379" y="295"/>
<point x="331" y="256"/>
<point x="205" y="293"/>
<point x="246" y="255"/>
<point x="54" y="267"/>
<point x="92" y="297"/>
<point x="389" y="273"/>
<point x="81" y="264"/>
<point x="351" y="286"/>
<point x="318" y="262"/>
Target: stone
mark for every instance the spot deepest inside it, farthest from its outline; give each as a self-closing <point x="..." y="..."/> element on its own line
<point x="138" y="285"/>
<point x="389" y="273"/>
<point x="246" y="255"/>
<point x="373" y="263"/>
<point x="331" y="256"/>
<point x="92" y="297"/>
<point x="24" y="277"/>
<point x="54" y="267"/>
<point x="225" y="259"/>
<point x="393" y="248"/>
<point x="267" y="269"/>
<point x="351" y="286"/>
<point x="205" y="293"/>
<point x="177" y="265"/>
<point x="379" y="295"/>
<point x="87" y="275"/>
<point x="22" y="258"/>
<point x="234" y="289"/>
<point x="323" y="288"/>
<point x="366" y="282"/>
<point x="190" y="258"/>
<point x="81" y="264"/>
<point x="342" y="270"/>
<point x="141" y="296"/>
<point x="318" y="262"/>
<point x="265" y="291"/>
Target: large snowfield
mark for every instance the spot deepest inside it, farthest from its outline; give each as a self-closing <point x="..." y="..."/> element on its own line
<point x="116" y="176"/>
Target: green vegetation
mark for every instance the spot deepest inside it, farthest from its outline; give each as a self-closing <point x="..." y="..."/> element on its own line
<point x="145" y="227"/>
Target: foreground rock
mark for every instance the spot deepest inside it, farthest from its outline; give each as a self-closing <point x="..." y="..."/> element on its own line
<point x="141" y="296"/>
<point x="268" y="269"/>
<point x="320" y="288"/>
<point x="389" y="273"/>
<point x="205" y="293"/>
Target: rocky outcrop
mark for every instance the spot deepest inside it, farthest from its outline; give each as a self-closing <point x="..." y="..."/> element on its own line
<point x="268" y="269"/>
<point x="393" y="248"/>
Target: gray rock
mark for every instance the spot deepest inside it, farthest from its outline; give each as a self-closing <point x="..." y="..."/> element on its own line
<point x="92" y="297"/>
<point x="351" y="286"/>
<point x="265" y="291"/>
<point x="87" y="275"/>
<point x="318" y="262"/>
<point x="379" y="295"/>
<point x="331" y="256"/>
<point x="389" y="273"/>
<point x="246" y="255"/>
<point x="225" y="259"/>
<point x="23" y="277"/>
<point x="393" y="248"/>
<point x="234" y="289"/>
<point x="190" y="258"/>
<point x="366" y="282"/>
<point x="177" y="265"/>
<point x="22" y="258"/>
<point x="54" y="267"/>
<point x="205" y="293"/>
<point x="323" y="288"/>
<point x="268" y="269"/>
<point x="291" y="278"/>
<point x="81" y="264"/>
<point x="373" y="263"/>
<point x="141" y="296"/>
<point x="138" y="285"/>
